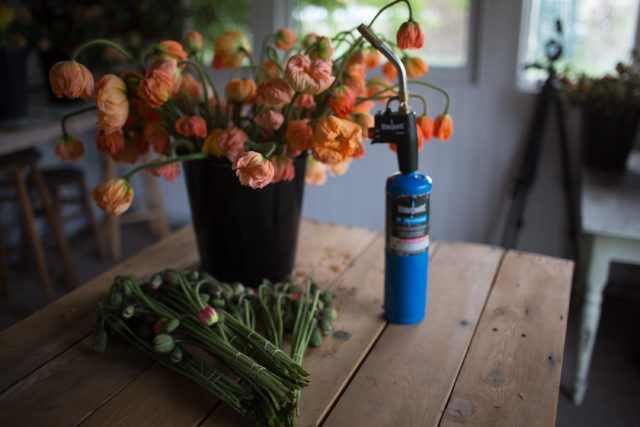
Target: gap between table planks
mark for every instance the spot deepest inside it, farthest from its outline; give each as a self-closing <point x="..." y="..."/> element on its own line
<point x="528" y="303"/>
<point x="407" y="378"/>
<point x="337" y="245"/>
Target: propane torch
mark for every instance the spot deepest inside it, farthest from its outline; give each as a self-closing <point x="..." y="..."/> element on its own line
<point x="407" y="205"/>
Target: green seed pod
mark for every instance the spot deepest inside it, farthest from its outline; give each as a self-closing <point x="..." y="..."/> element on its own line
<point x="100" y="341"/>
<point x="329" y="313"/>
<point x="316" y="338"/>
<point x="155" y="281"/>
<point x="205" y="298"/>
<point x="194" y="276"/>
<point x="176" y="355"/>
<point x="116" y="299"/>
<point x="238" y="288"/>
<point x="326" y="297"/>
<point x="218" y="303"/>
<point x="163" y="343"/>
<point x="326" y="326"/>
<point x="172" y="325"/>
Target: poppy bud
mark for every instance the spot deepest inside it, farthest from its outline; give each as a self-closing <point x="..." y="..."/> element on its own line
<point x="329" y="313"/>
<point x="208" y="316"/>
<point x="176" y="355"/>
<point x="163" y="343"/>
<point x="116" y="299"/>
<point x="128" y="311"/>
<point x="316" y="338"/>
<point x="326" y="326"/>
<point x="172" y="325"/>
<point x="205" y="298"/>
<point x="155" y="281"/>
<point x="326" y="297"/>
<point x="218" y="303"/>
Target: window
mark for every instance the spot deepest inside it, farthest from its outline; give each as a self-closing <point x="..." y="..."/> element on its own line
<point x="446" y="24"/>
<point x="596" y="34"/>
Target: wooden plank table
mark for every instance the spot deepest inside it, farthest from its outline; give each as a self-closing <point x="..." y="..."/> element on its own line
<point x="488" y="353"/>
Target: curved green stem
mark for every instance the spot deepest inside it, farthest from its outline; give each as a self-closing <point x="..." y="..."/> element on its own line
<point x="437" y="89"/>
<point x="424" y="102"/>
<point x="179" y="143"/>
<point x="185" y="158"/>
<point x="201" y="75"/>
<point x="108" y="43"/>
<point x="244" y="67"/>
<point x="63" y="121"/>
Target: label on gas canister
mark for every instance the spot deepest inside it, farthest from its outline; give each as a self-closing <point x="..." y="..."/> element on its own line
<point x="408" y="224"/>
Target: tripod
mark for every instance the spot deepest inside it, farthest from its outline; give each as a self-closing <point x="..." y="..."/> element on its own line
<point x="547" y="99"/>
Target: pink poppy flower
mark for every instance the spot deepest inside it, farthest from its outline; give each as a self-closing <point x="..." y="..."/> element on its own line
<point x="232" y="140"/>
<point x="307" y="76"/>
<point x="269" y="119"/>
<point x="253" y="169"/>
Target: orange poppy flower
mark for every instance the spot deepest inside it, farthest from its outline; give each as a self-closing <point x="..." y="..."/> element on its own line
<point x="111" y="143"/>
<point x="379" y="87"/>
<point x="232" y="140"/>
<point x="274" y="92"/>
<point x="425" y="123"/>
<point x="307" y="76"/>
<point x="285" y="39"/>
<point x="342" y="101"/>
<point x="68" y="148"/>
<point x="240" y="90"/>
<point x="415" y="67"/>
<point x="170" y="49"/>
<point x="113" y="196"/>
<point x="269" y="119"/>
<point x="305" y="101"/>
<point x="283" y="169"/>
<point x="335" y="139"/>
<point x="410" y="36"/>
<point x="112" y="103"/>
<point x="129" y="154"/>
<point x="193" y="87"/>
<point x="230" y="49"/>
<point x="390" y="71"/>
<point x="169" y="172"/>
<point x="443" y="127"/>
<point x="316" y="173"/>
<point x="71" y="79"/>
<point x="156" y="87"/>
<point x="191" y="126"/>
<point x="211" y="144"/>
<point x="372" y="57"/>
<point x="156" y="135"/>
<point x="299" y="135"/>
<point x="193" y="41"/>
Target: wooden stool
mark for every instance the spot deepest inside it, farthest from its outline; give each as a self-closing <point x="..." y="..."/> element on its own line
<point x="59" y="178"/>
<point x="15" y="164"/>
<point x="154" y="214"/>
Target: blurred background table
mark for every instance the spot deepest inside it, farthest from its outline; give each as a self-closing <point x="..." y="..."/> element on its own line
<point x="489" y="351"/>
<point x="610" y="204"/>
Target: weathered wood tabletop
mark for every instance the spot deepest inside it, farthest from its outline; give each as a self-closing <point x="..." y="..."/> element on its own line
<point x="488" y="353"/>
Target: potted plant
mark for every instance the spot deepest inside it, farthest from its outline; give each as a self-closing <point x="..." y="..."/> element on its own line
<point x="610" y="114"/>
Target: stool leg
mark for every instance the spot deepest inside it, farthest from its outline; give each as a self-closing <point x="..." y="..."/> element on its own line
<point x="32" y="235"/>
<point x="84" y="194"/>
<point x="158" y="222"/>
<point x="56" y="227"/>
<point x="4" y="268"/>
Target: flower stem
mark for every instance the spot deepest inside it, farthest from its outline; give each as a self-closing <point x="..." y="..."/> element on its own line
<point x="63" y="121"/>
<point x="111" y="44"/>
<point x="185" y="158"/>
<point x="437" y="89"/>
<point x="201" y="75"/>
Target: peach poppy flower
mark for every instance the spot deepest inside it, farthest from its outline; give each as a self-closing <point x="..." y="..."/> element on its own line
<point x="316" y="172"/>
<point x="211" y="144"/>
<point x="170" y="49"/>
<point x="232" y="140"/>
<point x="169" y="66"/>
<point x="299" y="135"/>
<point x="156" y="134"/>
<point x="372" y="57"/>
<point x="253" y="169"/>
<point x="285" y="39"/>
<point x="156" y="87"/>
<point x="443" y="127"/>
<point x="365" y="121"/>
<point x="68" y="148"/>
<point x="283" y="169"/>
<point x="390" y="71"/>
<point x="169" y="171"/>
<point x="414" y="66"/>
<point x="340" y="168"/>
<point x="111" y="143"/>
<point x="305" y="102"/>
<point x="193" y="87"/>
<point x="129" y="154"/>
<point x="363" y="107"/>
<point x="307" y="76"/>
<point x="112" y="103"/>
<point x="342" y="101"/>
<point x="269" y="70"/>
<point x="191" y="126"/>
<point x="425" y="123"/>
<point x="321" y="49"/>
<point x="410" y="36"/>
<point x="379" y="87"/>
<point x="269" y="119"/>
<point x="230" y="49"/>
<point x="274" y="92"/>
<point x="240" y="90"/>
<point x="193" y="41"/>
<point x="71" y="79"/>
<point x="335" y="139"/>
<point x="113" y="196"/>
<point x="359" y="153"/>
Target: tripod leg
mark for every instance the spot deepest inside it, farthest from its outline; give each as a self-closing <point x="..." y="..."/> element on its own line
<point x="567" y="172"/>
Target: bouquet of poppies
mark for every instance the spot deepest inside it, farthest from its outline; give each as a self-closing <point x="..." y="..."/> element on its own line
<point x="297" y="96"/>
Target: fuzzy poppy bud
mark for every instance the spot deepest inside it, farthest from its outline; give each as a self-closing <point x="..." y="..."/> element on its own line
<point x="176" y="355"/>
<point x="443" y="127"/>
<point x="172" y="325"/>
<point x="100" y="341"/>
<point x="163" y="343"/>
<point x="128" y="311"/>
<point x="329" y="313"/>
<point x="155" y="281"/>
<point x="208" y="316"/>
<point x="238" y="288"/>
<point x="325" y="326"/>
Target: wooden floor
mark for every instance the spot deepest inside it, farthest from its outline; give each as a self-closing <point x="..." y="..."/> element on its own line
<point x="614" y="388"/>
